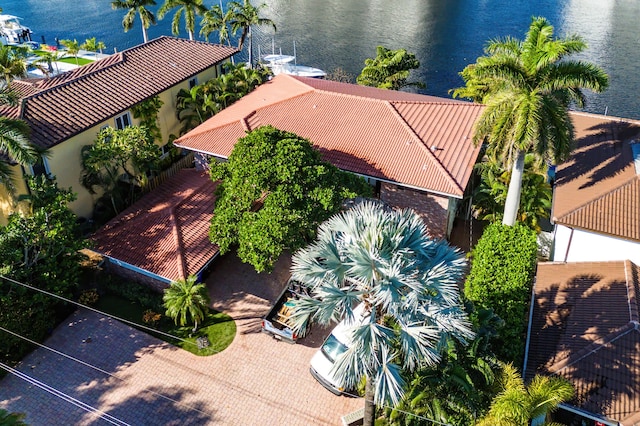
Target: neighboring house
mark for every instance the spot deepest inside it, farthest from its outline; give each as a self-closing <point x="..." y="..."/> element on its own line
<point x="584" y="327"/>
<point x="416" y="150"/>
<point x="596" y="203"/>
<point x="162" y="237"/>
<point x="66" y="112"/>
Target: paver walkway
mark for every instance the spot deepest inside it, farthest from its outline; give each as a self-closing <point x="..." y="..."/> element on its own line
<point x="256" y="380"/>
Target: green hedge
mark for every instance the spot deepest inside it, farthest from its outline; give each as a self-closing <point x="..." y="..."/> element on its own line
<point x="502" y="269"/>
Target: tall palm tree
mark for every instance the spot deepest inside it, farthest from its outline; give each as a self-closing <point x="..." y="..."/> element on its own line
<point x="517" y="404"/>
<point x="73" y="48"/>
<point x="190" y="8"/>
<point x="12" y="63"/>
<point x="14" y="145"/>
<point x="134" y="7"/>
<point x="243" y="16"/>
<point x="527" y="87"/>
<point x="186" y="298"/>
<point x="216" y="19"/>
<point x="407" y="282"/>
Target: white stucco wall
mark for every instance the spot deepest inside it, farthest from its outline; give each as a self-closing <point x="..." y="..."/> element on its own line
<point x="586" y="246"/>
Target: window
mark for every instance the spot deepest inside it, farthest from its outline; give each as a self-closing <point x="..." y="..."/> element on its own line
<point x="123" y="121"/>
<point x="40" y="168"/>
<point x="165" y="150"/>
<point x="193" y="82"/>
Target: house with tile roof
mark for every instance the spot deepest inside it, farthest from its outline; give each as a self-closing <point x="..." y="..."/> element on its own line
<point x="67" y="111"/>
<point x="417" y="150"/>
<point x="160" y="238"/>
<point x="585" y="327"/>
<point x="596" y="202"/>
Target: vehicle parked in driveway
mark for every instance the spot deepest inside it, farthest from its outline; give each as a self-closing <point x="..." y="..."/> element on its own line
<point x="335" y="345"/>
<point x="276" y="322"/>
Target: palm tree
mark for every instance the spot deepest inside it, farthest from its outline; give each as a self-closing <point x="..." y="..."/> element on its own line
<point x="91" y="45"/>
<point x="12" y="63"/>
<point x="517" y="404"/>
<point x="190" y="8"/>
<point x="73" y="48"/>
<point x="147" y="17"/>
<point x="390" y="69"/>
<point x="11" y="419"/>
<point x="14" y="143"/>
<point x="186" y="298"/>
<point x="242" y="17"/>
<point x="101" y="46"/>
<point x="215" y="19"/>
<point x="527" y="87"/>
<point x="408" y="283"/>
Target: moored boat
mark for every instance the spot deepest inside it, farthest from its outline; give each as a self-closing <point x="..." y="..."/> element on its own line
<point x="12" y="31"/>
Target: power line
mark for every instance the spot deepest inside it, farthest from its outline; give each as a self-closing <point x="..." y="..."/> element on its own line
<point x="136" y="325"/>
<point x="97" y="368"/>
<point x="68" y="398"/>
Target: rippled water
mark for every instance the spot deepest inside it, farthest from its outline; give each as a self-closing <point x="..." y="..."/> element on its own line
<point x="445" y="35"/>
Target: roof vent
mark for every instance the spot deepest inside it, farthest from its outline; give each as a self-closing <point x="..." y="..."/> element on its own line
<point x="635" y="150"/>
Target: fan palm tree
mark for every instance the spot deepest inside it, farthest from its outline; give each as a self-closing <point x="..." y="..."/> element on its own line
<point x="517" y="404"/>
<point x="527" y="87"/>
<point x="216" y="19"/>
<point x="242" y="17"/>
<point x="390" y="69"/>
<point x="186" y="298"/>
<point x="134" y="7"/>
<point x="12" y="63"/>
<point x="407" y="282"/>
<point x="190" y="8"/>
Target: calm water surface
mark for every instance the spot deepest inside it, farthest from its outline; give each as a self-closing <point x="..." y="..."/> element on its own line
<point x="445" y="35"/>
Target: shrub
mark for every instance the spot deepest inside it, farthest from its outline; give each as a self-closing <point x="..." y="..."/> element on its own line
<point x="88" y="297"/>
<point x="501" y="277"/>
<point x="135" y="292"/>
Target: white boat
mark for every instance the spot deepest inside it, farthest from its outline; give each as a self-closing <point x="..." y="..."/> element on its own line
<point x="286" y="64"/>
<point x="12" y="31"/>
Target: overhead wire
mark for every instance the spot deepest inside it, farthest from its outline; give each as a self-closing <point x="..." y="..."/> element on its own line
<point x="66" y="397"/>
<point x="162" y="333"/>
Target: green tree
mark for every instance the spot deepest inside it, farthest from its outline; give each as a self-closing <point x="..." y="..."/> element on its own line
<point x="298" y="191"/>
<point x="13" y="63"/>
<point x="11" y="419"/>
<point x="390" y="69"/>
<point x="502" y="268"/>
<point x="490" y="196"/>
<point x="242" y="17"/>
<point x="147" y="112"/>
<point x="527" y="87"/>
<point x="73" y="48"/>
<point x="92" y="45"/>
<point x="14" y="141"/>
<point x="190" y="9"/>
<point x="187" y="301"/>
<point x="407" y="282"/>
<point x="518" y="405"/>
<point x="119" y="159"/>
<point x="133" y="7"/>
<point x="51" y="57"/>
<point x="216" y="19"/>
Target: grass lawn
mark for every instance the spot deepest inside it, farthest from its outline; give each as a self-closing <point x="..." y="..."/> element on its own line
<point x="219" y="328"/>
<point x="72" y="60"/>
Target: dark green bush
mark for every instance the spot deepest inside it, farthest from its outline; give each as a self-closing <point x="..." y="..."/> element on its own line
<point x="502" y="268"/>
<point x="132" y="291"/>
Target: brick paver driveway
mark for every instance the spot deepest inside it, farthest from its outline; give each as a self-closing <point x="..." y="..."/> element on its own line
<point x="255" y="381"/>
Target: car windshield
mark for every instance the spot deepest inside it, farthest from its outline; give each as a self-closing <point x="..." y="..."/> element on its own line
<point x="332" y="348"/>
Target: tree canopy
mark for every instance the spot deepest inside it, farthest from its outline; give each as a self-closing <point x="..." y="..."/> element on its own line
<point x="298" y="191"/>
<point x="390" y="69"/>
<point x="527" y="87"/>
<point x="147" y="18"/>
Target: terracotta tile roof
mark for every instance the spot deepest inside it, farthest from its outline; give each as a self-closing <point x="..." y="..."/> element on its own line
<point x="585" y="328"/>
<point x="61" y="107"/>
<point x="167" y="231"/>
<point x="598" y="188"/>
<point x="415" y="140"/>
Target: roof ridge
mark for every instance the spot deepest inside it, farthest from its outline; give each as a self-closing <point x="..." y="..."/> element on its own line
<point x="443" y="170"/>
<point x="594" y="347"/>
<point x="588" y="203"/>
<point x="632" y="299"/>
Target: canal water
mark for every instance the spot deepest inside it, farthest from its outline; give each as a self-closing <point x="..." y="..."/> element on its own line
<point x="445" y="35"/>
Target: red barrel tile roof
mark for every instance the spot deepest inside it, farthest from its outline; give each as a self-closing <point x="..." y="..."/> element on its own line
<point x="63" y="106"/>
<point x="585" y="328"/>
<point x="415" y="140"/>
<point x="598" y="188"/>
<point x="167" y="231"/>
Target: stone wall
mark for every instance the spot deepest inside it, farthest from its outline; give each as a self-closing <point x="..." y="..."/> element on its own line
<point x="431" y="207"/>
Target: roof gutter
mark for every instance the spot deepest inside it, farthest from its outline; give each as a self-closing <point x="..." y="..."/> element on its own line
<point x="529" y="326"/>
<point x="588" y="415"/>
<point x="138" y="270"/>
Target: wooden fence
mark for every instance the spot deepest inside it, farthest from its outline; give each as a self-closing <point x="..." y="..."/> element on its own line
<point x="184" y="163"/>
